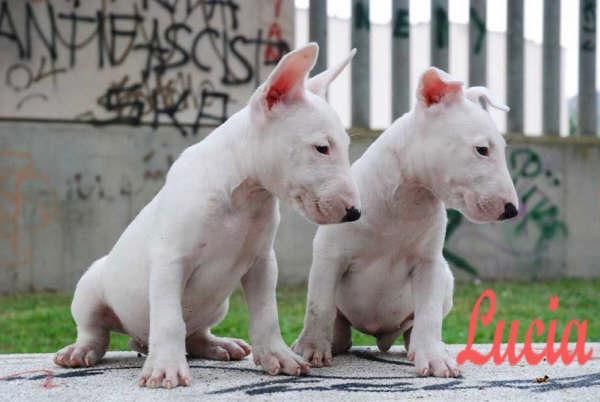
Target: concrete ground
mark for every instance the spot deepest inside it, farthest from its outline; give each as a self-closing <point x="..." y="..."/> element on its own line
<point x="365" y="374"/>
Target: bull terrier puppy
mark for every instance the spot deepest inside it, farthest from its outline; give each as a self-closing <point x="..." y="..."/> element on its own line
<point x="167" y="280"/>
<point x="386" y="273"/>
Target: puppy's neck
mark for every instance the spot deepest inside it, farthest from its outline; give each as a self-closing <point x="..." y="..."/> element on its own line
<point x="236" y="152"/>
<point x="412" y="180"/>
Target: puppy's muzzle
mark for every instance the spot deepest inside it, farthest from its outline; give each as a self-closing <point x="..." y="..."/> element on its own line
<point x="510" y="211"/>
<point x="352" y="214"/>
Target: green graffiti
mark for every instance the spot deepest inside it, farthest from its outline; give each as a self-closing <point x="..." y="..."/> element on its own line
<point x="401" y="24"/>
<point x="454" y="220"/>
<point x="524" y="163"/>
<point x="538" y="211"/>
<point x="588" y="25"/>
<point x="479" y="24"/>
<point x="361" y="16"/>
<point x="545" y="217"/>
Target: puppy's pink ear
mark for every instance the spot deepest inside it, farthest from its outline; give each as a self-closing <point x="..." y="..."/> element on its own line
<point x="319" y="83"/>
<point x="436" y="87"/>
<point x="286" y="82"/>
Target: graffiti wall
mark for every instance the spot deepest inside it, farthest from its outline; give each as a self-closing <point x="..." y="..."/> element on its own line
<point x="97" y="99"/>
<point x="190" y="63"/>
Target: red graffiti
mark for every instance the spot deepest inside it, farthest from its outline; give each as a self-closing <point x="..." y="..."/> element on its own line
<point x="272" y="52"/>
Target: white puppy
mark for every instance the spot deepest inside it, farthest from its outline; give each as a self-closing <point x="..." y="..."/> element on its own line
<point x="167" y="280"/>
<point x="385" y="273"/>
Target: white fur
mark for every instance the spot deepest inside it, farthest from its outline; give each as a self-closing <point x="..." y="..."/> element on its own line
<point x="387" y="267"/>
<point x="167" y="280"/>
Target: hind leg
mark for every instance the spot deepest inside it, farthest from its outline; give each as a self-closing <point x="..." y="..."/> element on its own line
<point x="385" y="341"/>
<point x="342" y="334"/>
<point x="137" y="346"/>
<point x="90" y="315"/>
<point x="203" y="344"/>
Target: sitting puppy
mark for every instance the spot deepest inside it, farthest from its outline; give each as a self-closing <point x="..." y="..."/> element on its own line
<point x="167" y="280"/>
<point x="385" y="273"/>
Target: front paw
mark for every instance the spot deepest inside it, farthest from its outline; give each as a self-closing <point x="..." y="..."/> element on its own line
<point x="166" y="371"/>
<point x="315" y="351"/>
<point x="277" y="358"/>
<point x="432" y="359"/>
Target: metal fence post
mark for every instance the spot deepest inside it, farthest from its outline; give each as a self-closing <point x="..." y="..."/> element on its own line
<point x="400" y="58"/>
<point x="586" y="100"/>
<point x="515" y="65"/>
<point x="551" y="60"/>
<point x="439" y="34"/>
<point x="317" y="31"/>
<point x="361" y="88"/>
<point x="477" y="43"/>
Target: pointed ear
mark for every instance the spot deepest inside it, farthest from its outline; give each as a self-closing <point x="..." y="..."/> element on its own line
<point x="436" y="86"/>
<point x="484" y="97"/>
<point x="319" y="83"/>
<point x="286" y="81"/>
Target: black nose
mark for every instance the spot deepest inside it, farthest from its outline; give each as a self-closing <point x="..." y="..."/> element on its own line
<point x="510" y="211"/>
<point x="352" y="214"/>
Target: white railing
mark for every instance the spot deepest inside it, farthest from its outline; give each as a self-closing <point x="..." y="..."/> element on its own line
<point x="536" y="78"/>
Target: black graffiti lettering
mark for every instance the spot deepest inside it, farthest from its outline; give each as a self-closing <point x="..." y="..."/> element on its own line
<point x="11" y="34"/>
<point x="49" y="43"/>
<point x="154" y="51"/>
<point x="259" y="35"/>
<point x="121" y="99"/>
<point x="209" y="8"/>
<point x="31" y="96"/>
<point x="85" y="192"/>
<point x="171" y="39"/>
<point x="170" y="111"/>
<point x="228" y="77"/>
<point x="75" y="20"/>
<point x="102" y="47"/>
<point x="162" y="92"/>
<point x="129" y="33"/>
<point x="206" y="119"/>
<point x="191" y="6"/>
<point x="19" y="77"/>
<point x="44" y="73"/>
<point x="171" y="7"/>
<point x="194" y="52"/>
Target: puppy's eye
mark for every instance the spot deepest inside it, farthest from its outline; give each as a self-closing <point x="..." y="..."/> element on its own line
<point x="322" y="149"/>
<point x="483" y="151"/>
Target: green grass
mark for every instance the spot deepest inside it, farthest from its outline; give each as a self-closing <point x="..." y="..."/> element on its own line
<point x="42" y="322"/>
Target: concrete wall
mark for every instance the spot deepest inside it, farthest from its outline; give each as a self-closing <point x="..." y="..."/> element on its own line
<point x="68" y="190"/>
